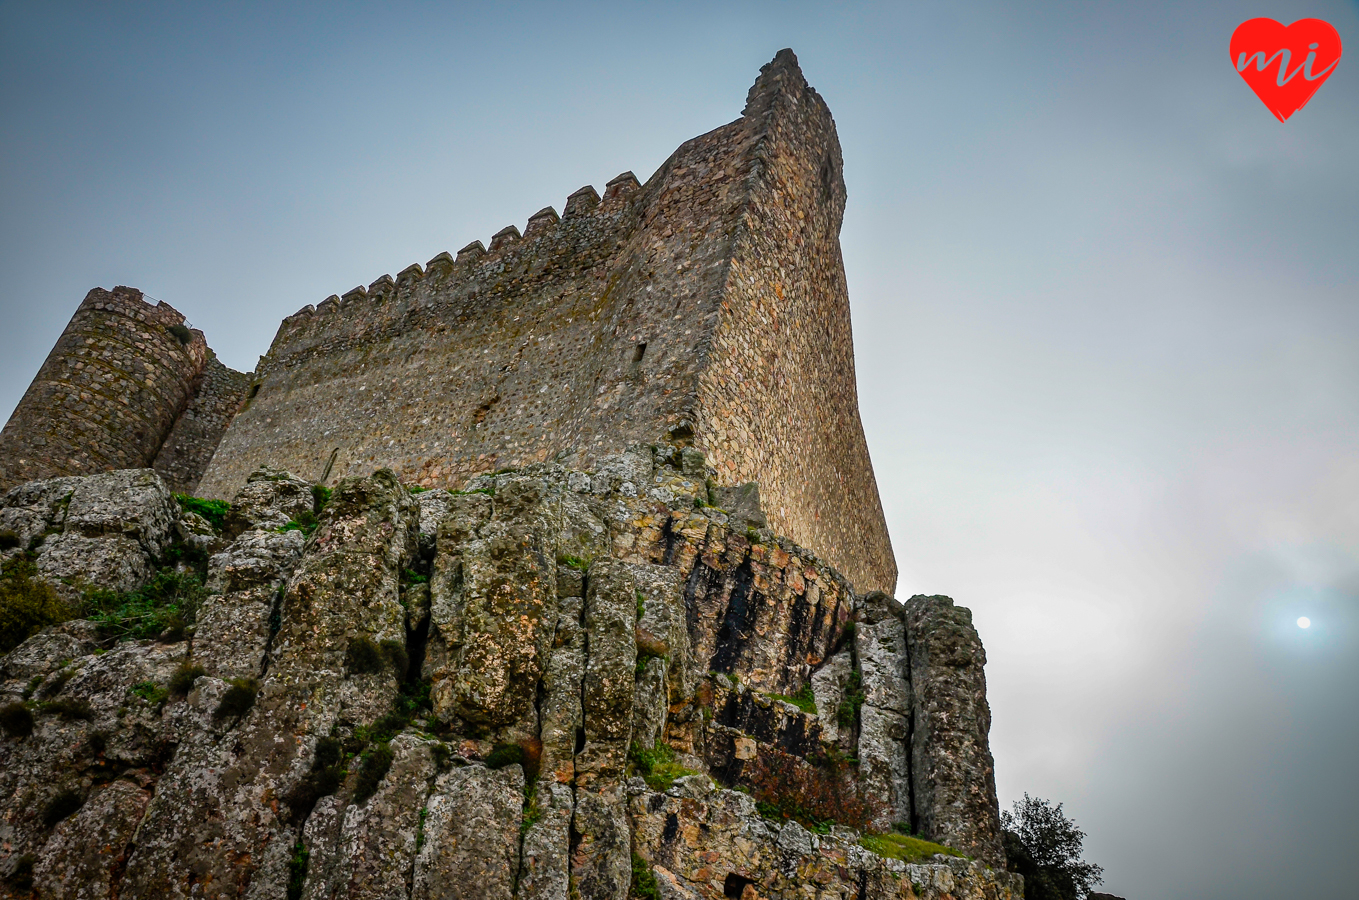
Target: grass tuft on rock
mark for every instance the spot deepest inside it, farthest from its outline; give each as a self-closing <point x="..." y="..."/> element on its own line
<point x="164" y="608"/>
<point x="904" y="847"/>
<point x="363" y="656"/>
<point x="373" y="767"/>
<point x="181" y="682"/>
<point x="574" y="562"/>
<point x="68" y="708"/>
<point x="214" y="511"/>
<point x="657" y="765"/>
<point x="238" y="699"/>
<point x="848" y="712"/>
<point x="297" y="870"/>
<point x="804" y="699"/>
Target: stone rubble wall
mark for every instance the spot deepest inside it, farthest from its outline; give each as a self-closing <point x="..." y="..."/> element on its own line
<point x="575" y="615"/>
<point x="706" y="308"/>
<point x="193" y="439"/>
<point x="110" y="393"/>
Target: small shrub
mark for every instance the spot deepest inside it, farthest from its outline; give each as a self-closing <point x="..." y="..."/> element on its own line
<point x="574" y="562"/>
<point x="804" y="699"/>
<point x="181" y="682"/>
<point x="394" y="652"/>
<point x="641" y="605"/>
<point x="68" y="708"/>
<point x="363" y="657"/>
<point x="297" y="870"/>
<point x="644" y="886"/>
<point x="238" y="699"/>
<point x="904" y="847"/>
<point x="305" y="522"/>
<point x="27" y="605"/>
<point x="527" y="754"/>
<point x="151" y="692"/>
<point x="320" y="497"/>
<point x="9" y="539"/>
<point x="410" y="576"/>
<point x="61" y="806"/>
<point x="373" y="768"/>
<point x="657" y="765"/>
<point x="16" y="719"/>
<point x="215" y="511"/>
<point x="181" y="333"/>
<point x="786" y="787"/>
<point x="415" y="489"/>
<point x="848" y="711"/>
<point x="164" y="607"/>
<point x="190" y="556"/>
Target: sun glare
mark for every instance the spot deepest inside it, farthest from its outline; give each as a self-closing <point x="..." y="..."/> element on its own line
<point x="1304" y="622"/>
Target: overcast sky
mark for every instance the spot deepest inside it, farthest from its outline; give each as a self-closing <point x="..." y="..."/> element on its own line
<point x="1106" y="314"/>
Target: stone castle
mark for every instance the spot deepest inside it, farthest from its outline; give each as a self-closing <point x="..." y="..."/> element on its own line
<point x="609" y="618"/>
<point x="707" y="307"/>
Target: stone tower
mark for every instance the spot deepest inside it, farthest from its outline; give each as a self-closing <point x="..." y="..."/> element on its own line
<point x="707" y="307"/>
<point x="127" y="386"/>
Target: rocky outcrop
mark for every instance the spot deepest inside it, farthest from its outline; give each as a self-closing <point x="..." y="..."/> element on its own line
<point x="535" y="688"/>
<point x="952" y="772"/>
<point x="703" y="843"/>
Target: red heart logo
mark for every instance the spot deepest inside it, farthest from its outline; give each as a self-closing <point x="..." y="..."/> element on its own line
<point x="1285" y="66"/>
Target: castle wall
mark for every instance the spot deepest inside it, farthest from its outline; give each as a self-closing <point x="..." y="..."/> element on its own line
<point x="108" y="393"/>
<point x="778" y="397"/>
<point x="707" y="306"/>
<point x="193" y="439"/>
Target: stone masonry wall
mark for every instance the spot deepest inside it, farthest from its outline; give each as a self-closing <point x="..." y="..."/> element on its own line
<point x="198" y="430"/>
<point x="778" y="398"/>
<point x="108" y="394"/>
<point x="690" y="309"/>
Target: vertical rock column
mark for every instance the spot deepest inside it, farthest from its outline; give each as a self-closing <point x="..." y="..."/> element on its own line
<point x="220" y="815"/>
<point x="952" y="772"/>
<point x="880" y="642"/>
<point x="600" y="859"/>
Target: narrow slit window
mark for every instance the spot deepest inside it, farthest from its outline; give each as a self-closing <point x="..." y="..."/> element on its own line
<point x="638" y="352"/>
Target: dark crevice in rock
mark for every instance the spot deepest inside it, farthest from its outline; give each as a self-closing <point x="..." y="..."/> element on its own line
<point x="742" y="608"/>
<point x="275" y="623"/>
<point x="910" y="740"/>
<point x="735" y="885"/>
<point x="671" y="538"/>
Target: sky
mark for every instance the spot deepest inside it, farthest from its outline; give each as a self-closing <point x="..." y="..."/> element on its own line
<point x="1106" y="316"/>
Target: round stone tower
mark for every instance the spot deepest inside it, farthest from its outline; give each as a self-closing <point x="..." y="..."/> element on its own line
<point x="108" y="393"/>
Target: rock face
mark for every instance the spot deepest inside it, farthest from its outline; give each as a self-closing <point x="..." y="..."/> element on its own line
<point x="536" y="688"/>
<point x="952" y="773"/>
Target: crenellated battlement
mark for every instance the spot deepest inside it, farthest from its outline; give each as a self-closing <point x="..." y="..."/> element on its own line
<point x="475" y="263"/>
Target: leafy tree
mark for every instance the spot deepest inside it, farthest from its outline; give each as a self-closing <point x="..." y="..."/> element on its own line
<point x="1044" y="846"/>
